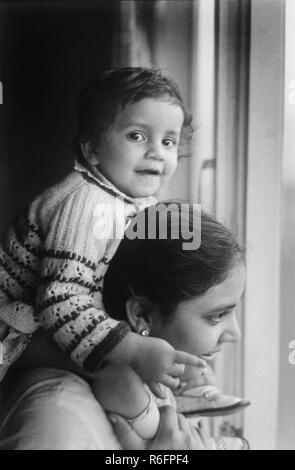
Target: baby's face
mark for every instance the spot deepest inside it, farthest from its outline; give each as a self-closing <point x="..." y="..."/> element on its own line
<point x="138" y="153"/>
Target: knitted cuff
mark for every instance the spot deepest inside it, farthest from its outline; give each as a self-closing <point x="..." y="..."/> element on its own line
<point x="101" y="350"/>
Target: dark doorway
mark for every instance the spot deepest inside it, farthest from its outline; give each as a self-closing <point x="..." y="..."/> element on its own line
<point x="48" y="51"/>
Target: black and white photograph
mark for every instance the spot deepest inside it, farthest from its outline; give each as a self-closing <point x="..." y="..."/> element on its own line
<point x="147" y="227"/>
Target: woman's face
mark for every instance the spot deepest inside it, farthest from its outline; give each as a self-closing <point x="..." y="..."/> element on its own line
<point x="201" y="326"/>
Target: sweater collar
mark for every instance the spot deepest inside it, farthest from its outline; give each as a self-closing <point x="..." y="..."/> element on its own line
<point x="95" y="175"/>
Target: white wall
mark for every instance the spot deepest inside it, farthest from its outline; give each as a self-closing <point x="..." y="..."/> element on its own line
<point x="286" y="422"/>
<point x="262" y="300"/>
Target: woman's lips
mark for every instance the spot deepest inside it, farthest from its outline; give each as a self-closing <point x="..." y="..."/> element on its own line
<point x="210" y="356"/>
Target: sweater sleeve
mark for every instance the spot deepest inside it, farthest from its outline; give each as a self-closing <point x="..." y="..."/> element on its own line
<point x="69" y="299"/>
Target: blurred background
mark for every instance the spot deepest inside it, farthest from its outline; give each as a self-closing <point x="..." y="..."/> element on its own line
<point x="234" y="63"/>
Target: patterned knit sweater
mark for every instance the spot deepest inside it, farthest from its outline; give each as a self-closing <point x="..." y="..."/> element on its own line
<point x="53" y="260"/>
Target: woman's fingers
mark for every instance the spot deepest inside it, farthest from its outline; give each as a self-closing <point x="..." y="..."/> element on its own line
<point x="191" y="433"/>
<point x="175" y="432"/>
<point x="176" y="425"/>
<point x="126" y="435"/>
<point x="188" y="359"/>
<point x="207" y="440"/>
<point x="183" y="423"/>
<point x="168" y="420"/>
<point x="168" y="435"/>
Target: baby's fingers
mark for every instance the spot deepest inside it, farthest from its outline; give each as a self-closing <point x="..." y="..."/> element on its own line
<point x="171" y="382"/>
<point x="177" y="370"/>
<point x="157" y="390"/>
<point x="188" y="359"/>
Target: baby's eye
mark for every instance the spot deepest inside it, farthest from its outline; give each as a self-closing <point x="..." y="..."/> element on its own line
<point x="136" y="136"/>
<point x="169" y="143"/>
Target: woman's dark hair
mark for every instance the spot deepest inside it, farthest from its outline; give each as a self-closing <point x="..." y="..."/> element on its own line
<point x="161" y="271"/>
<point x="113" y="89"/>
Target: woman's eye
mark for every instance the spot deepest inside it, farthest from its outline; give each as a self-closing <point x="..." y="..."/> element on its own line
<point x="215" y="319"/>
<point x="169" y="143"/>
<point x="136" y="136"/>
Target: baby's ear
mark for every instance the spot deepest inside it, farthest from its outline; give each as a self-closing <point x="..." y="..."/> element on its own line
<point x="89" y="150"/>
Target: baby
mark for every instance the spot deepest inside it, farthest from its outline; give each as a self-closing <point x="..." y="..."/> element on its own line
<point x="54" y="257"/>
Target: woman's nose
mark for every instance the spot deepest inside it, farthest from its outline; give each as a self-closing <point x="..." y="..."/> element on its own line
<point x="232" y="333"/>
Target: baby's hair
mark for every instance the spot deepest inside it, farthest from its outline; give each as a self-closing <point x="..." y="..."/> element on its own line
<point x="160" y="271"/>
<point x="111" y="90"/>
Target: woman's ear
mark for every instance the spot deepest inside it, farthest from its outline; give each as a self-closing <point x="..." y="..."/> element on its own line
<point x="90" y="153"/>
<point x="138" y="311"/>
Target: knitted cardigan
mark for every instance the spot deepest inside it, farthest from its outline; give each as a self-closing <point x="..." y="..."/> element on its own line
<point x="53" y="260"/>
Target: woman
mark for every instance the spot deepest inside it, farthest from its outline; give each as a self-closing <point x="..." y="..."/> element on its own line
<point x="187" y="297"/>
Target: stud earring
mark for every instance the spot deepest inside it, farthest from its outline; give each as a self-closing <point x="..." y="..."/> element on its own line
<point x="144" y="332"/>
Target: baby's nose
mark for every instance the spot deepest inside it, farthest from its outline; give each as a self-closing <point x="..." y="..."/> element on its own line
<point x="154" y="153"/>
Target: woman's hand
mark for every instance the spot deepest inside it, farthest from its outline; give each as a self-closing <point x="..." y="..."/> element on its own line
<point x="175" y="433"/>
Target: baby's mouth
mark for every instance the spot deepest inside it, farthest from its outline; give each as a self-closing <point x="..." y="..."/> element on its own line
<point x="149" y="172"/>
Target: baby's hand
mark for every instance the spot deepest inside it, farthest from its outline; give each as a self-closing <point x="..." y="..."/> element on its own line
<point x="196" y="377"/>
<point x="158" y="362"/>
